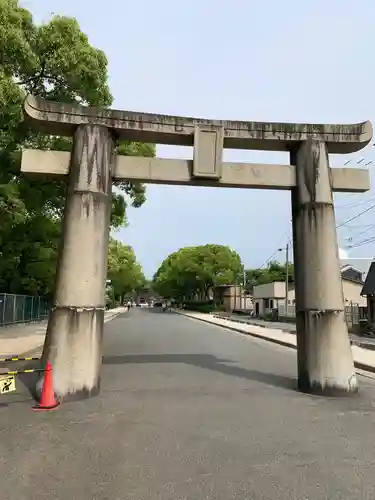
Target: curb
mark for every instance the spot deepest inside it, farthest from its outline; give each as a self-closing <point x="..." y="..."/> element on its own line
<point x="251" y="334"/>
<point x="360" y="366"/>
<point x="357" y="343"/>
<point x="32" y="351"/>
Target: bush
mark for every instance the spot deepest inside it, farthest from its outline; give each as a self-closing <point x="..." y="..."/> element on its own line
<point x="267" y="317"/>
<point x="202" y="306"/>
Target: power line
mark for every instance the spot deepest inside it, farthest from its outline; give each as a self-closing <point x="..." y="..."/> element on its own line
<point x="370" y="226"/>
<point x="363" y="242"/>
<point x="278" y="248"/>
<point x="269" y="258"/>
<point x="351" y="205"/>
<point x="355" y="216"/>
<point x="359" y="226"/>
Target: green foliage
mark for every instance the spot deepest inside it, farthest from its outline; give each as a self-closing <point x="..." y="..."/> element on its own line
<point x="207" y="306"/>
<point x="193" y="271"/>
<point x="124" y="271"/>
<point x="56" y="61"/>
<point x="273" y="272"/>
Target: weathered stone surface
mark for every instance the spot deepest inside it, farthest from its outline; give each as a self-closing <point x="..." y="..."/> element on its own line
<point x="62" y="119"/>
<point x="325" y="361"/>
<point x="178" y="172"/>
<point x="74" y="333"/>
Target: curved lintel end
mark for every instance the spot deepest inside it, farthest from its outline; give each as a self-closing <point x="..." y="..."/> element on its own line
<point x="47" y="116"/>
<point x="351" y="138"/>
<point x="30" y="105"/>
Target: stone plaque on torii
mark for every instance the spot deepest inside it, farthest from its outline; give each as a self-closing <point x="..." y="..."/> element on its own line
<point x="75" y="326"/>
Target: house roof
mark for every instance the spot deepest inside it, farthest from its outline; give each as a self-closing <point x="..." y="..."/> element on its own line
<point x="369" y="286"/>
<point x="361" y="264"/>
<point x="359" y="280"/>
<point x="348" y="266"/>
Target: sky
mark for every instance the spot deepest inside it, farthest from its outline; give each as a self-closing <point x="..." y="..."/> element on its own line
<point x="290" y="61"/>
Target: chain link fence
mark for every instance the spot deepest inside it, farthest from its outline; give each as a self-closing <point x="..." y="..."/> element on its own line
<point x="22" y="308"/>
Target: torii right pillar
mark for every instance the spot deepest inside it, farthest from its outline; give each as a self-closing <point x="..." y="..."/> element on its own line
<point x="325" y="360"/>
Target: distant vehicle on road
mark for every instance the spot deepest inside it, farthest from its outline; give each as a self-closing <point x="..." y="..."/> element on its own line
<point x="157" y="303"/>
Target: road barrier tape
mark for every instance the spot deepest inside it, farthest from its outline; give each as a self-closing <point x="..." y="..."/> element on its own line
<point x="20" y="372"/>
<point x="8" y="360"/>
<point x="8" y="379"/>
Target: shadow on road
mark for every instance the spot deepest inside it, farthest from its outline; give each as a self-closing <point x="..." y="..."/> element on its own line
<point x="12" y="401"/>
<point x="157" y="310"/>
<point x="208" y="362"/>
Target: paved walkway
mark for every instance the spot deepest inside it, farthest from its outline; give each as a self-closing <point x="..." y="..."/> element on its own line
<point x="365" y="342"/>
<point x="190" y="411"/>
<point x="363" y="358"/>
<point x="19" y="340"/>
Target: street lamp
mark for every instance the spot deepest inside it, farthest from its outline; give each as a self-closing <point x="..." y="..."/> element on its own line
<point x="286" y="276"/>
<point x="244" y="289"/>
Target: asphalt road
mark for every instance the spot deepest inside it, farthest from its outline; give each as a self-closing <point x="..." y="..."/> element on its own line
<point x="190" y="411"/>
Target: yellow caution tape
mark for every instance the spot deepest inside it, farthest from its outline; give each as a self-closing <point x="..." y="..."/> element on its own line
<point x="4" y="360"/>
<point x="19" y="372"/>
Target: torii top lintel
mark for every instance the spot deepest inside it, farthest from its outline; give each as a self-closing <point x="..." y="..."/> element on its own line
<point x="62" y="119"/>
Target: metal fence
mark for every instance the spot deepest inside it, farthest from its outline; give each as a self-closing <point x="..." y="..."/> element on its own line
<point x="22" y="308"/>
<point x="353" y="313"/>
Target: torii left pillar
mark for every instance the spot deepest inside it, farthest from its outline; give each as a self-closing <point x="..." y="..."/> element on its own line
<point x="75" y="327"/>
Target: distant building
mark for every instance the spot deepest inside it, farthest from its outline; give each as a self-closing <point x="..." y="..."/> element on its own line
<point x="146" y="294"/>
<point x="234" y="297"/>
<point x="271" y="296"/>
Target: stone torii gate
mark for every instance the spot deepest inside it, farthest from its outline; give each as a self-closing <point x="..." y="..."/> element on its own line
<point x="75" y="326"/>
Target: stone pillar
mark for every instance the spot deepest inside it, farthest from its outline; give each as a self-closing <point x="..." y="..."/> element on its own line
<point x="75" y="327"/>
<point x="325" y="361"/>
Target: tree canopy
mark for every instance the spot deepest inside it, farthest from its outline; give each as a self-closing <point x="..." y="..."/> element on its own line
<point x="124" y="271"/>
<point x="194" y="271"/>
<point x="56" y="61"/>
<point x="273" y="272"/>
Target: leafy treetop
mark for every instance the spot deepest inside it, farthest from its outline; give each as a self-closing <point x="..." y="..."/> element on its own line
<point x="56" y="61"/>
<point x="194" y="271"/>
<point x="273" y="272"/>
<point x="124" y="271"/>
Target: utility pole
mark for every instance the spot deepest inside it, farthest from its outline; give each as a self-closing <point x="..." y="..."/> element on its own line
<point x="286" y="279"/>
<point x="244" y="290"/>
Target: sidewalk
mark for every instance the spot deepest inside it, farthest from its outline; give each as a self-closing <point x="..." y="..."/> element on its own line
<point x="19" y="340"/>
<point x="360" y="341"/>
<point x="364" y="359"/>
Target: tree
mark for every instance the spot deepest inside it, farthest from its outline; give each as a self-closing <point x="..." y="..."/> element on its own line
<point x="273" y="272"/>
<point x="55" y="61"/>
<point x="194" y="271"/>
<point x="124" y="271"/>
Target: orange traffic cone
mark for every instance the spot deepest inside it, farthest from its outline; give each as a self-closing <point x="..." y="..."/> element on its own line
<point x="47" y="399"/>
